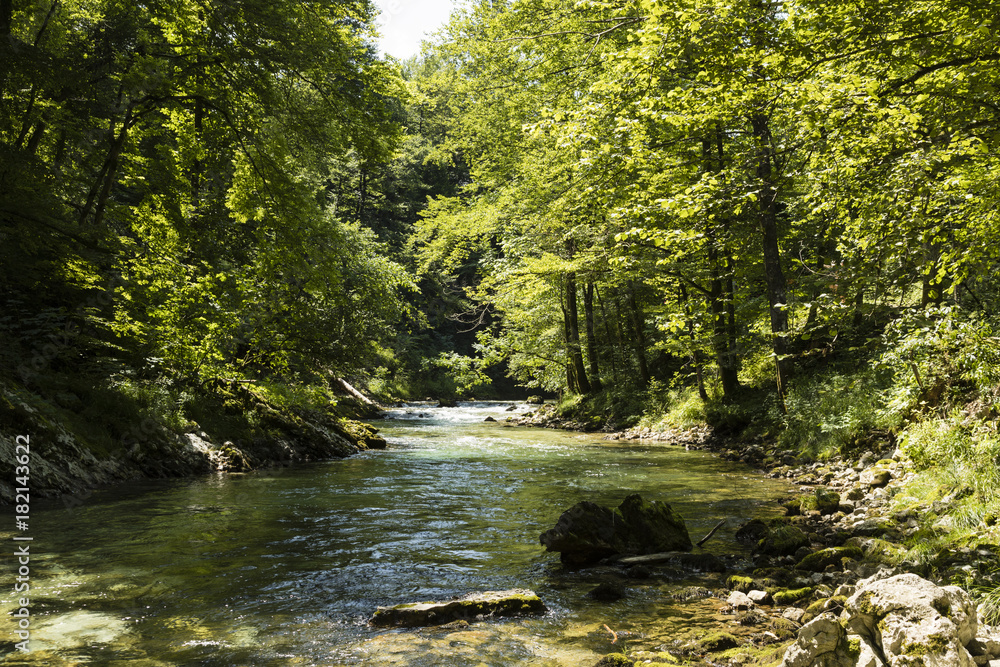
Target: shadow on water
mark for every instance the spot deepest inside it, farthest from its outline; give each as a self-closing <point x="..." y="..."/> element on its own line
<point x="284" y="566"/>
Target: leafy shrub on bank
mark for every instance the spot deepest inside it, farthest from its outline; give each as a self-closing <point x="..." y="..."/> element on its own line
<point x="827" y="412"/>
<point x="939" y="356"/>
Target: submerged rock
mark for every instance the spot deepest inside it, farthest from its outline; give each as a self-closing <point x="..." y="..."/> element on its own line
<point x="609" y="591"/>
<point x="516" y="602"/>
<point x="588" y="532"/>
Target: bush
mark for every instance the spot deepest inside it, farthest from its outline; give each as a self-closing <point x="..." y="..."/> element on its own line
<point x="826" y="413"/>
<point x="937" y="354"/>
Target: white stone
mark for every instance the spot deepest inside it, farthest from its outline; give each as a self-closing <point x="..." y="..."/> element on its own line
<point x="738" y="600"/>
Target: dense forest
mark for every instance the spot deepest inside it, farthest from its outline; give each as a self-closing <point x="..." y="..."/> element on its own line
<point x="776" y="217"/>
<point x="231" y="231"/>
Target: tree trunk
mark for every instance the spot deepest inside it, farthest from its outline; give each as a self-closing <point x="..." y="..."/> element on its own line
<point x="859" y="304"/>
<point x="777" y="298"/>
<point x="639" y="335"/>
<point x="720" y="285"/>
<point x="588" y="314"/>
<point x="615" y="341"/>
<point x="695" y="353"/>
<point x="575" y="350"/>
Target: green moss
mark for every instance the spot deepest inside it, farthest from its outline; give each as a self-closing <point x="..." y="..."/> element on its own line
<point x="740" y="583"/>
<point x="866" y="606"/>
<point x="854" y="647"/>
<point x="936" y="644"/>
<point x="823" y="558"/>
<point x="783" y="541"/>
<point x="615" y="660"/>
<point x="822" y="500"/>
<point x="718" y="641"/>
<point x="791" y="596"/>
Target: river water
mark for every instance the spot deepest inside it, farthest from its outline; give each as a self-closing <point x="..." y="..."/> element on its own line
<point x="284" y="566"/>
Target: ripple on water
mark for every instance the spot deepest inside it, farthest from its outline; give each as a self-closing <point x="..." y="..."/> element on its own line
<point x="284" y="566"/>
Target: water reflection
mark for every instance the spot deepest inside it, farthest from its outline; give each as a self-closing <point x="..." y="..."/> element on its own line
<point x="283" y="566"/>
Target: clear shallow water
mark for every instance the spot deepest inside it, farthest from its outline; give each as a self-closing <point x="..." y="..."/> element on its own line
<point x="284" y="566"/>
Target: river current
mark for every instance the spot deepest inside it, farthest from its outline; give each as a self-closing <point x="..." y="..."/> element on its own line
<point x="284" y="566"/>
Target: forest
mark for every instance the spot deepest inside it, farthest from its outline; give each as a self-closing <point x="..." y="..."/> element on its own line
<point x="771" y="217"/>
<point x="231" y="231"/>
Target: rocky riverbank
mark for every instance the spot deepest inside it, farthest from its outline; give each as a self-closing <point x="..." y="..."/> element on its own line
<point x="853" y="523"/>
<point x="68" y="457"/>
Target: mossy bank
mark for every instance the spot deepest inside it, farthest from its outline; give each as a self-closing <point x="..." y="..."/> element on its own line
<point x="81" y="436"/>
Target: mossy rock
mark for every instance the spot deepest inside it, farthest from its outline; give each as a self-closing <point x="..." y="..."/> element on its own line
<point x="717" y="641"/>
<point x="784" y="628"/>
<point x="235" y="459"/>
<point x="822" y="500"/>
<point x="877" y="550"/>
<point x="740" y="583"/>
<point x="783" y="541"/>
<point x="793" y="507"/>
<point x="516" y="602"/>
<point x="792" y="595"/>
<point x="615" y="660"/>
<point x="836" y="556"/>
<point x="361" y="435"/>
<point x="832" y="603"/>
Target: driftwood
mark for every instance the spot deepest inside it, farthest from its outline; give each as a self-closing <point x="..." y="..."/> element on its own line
<point x="711" y="532"/>
<point x="651" y="559"/>
<point x="355" y="393"/>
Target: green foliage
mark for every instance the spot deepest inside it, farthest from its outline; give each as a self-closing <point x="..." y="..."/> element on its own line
<point x="674" y="408"/>
<point x="828" y="411"/>
<point x="456" y="375"/>
<point x="939" y="355"/>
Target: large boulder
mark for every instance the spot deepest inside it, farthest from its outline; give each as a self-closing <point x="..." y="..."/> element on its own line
<point x="900" y="621"/>
<point x="909" y="617"/>
<point x="588" y="532"/>
<point x="516" y="602"/>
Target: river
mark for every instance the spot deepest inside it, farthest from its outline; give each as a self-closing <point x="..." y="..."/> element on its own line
<point x="284" y="566"/>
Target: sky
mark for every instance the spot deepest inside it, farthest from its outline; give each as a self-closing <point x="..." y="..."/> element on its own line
<point x="404" y="23"/>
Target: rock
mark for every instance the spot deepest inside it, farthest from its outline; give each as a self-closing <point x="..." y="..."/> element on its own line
<point x="718" y="641"/>
<point x="738" y="600"/>
<point x="822" y="500"/>
<point x="819" y="644"/>
<point x="819" y="561"/>
<point x="910" y="617"/>
<point x="760" y="597"/>
<point x="783" y="541"/>
<point x="615" y="660"/>
<point x="588" y="532"/>
<point x="751" y="532"/>
<point x="638" y="572"/>
<point x="447" y="403"/>
<point x="511" y="408"/>
<point x="853" y="494"/>
<point x="701" y="562"/>
<point x="875" y="477"/>
<point x="489" y="419"/>
<point x="534" y="400"/>
<point x="609" y="591"/>
<point x="792" y="595"/>
<point x="897" y="621"/>
<point x="514" y="602"/>
<point x="793" y="614"/>
<point x="740" y="583"/>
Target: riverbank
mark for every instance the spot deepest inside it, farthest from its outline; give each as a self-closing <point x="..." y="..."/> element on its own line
<point x="81" y="438"/>
<point x="877" y="515"/>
